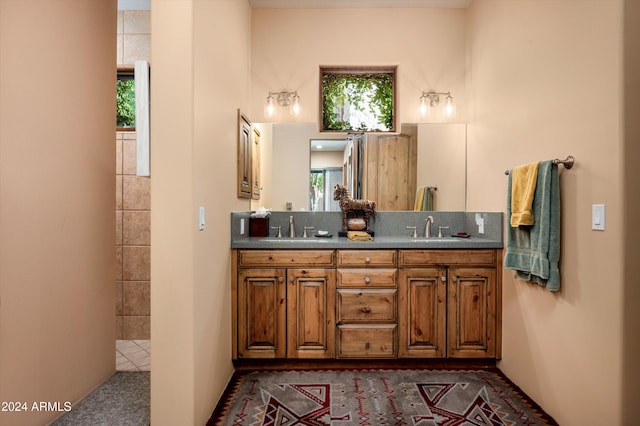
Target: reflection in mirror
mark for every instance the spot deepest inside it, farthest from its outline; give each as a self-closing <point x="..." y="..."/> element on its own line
<point x="303" y="177"/>
<point x="327" y="159"/>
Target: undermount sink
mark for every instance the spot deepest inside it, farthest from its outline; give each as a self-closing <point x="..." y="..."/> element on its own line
<point x="435" y="240"/>
<point x="293" y="240"/>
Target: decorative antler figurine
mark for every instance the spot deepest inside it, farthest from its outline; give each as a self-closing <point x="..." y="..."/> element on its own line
<point x="353" y="207"/>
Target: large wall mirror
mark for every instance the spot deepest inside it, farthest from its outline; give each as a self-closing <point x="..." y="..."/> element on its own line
<point x="390" y="169"/>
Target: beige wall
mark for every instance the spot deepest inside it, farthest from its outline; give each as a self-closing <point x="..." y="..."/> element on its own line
<point x="322" y="159"/>
<point x="442" y="162"/>
<point x="289" y="45"/>
<point x="200" y="78"/>
<point x="57" y="225"/>
<point x="545" y="81"/>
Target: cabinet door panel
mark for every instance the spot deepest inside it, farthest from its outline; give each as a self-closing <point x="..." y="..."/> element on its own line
<point x="472" y="310"/>
<point x="422" y="305"/>
<point x="311" y="313"/>
<point x="261" y="313"/>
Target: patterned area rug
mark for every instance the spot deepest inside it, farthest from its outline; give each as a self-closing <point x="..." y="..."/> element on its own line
<point x="376" y="398"/>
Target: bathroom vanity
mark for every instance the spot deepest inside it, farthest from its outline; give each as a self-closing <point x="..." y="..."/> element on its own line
<point x="393" y="297"/>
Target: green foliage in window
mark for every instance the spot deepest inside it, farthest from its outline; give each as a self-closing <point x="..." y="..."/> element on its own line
<point x="368" y="96"/>
<point x="126" y="103"/>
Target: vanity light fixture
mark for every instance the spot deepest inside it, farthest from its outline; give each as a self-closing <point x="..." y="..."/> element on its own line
<point x="431" y="99"/>
<point x="284" y="99"/>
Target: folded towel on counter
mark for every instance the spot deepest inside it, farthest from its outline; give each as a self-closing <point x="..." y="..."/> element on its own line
<point x="534" y="251"/>
<point x="523" y="187"/>
<point x="358" y="236"/>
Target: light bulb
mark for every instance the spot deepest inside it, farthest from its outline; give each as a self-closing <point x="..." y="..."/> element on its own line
<point x="271" y="108"/>
<point x="424" y="106"/>
<point x="296" y="105"/>
<point x="450" y="109"/>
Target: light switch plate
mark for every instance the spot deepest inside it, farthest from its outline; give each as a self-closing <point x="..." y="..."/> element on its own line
<point x="201" y="219"/>
<point x="242" y="226"/>
<point x="598" y="217"/>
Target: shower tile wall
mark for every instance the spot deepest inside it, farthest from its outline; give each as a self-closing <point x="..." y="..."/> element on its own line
<point x="133" y="201"/>
<point x="133" y="244"/>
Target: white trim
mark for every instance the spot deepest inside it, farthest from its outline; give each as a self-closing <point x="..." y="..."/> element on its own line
<point x="141" y="72"/>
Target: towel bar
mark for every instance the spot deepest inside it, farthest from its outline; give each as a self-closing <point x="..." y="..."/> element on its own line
<point x="567" y="163"/>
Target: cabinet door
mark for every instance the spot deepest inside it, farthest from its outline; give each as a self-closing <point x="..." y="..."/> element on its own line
<point x="261" y="313"/>
<point x="422" y="312"/>
<point x="472" y="313"/>
<point x="311" y="313"/>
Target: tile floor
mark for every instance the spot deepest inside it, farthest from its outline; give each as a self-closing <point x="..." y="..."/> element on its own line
<point x="133" y="355"/>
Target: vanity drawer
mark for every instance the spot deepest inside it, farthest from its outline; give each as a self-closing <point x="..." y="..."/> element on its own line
<point x="367" y="258"/>
<point x="366" y="306"/>
<point x="362" y="341"/>
<point x="367" y="278"/>
<point x="417" y="258"/>
<point x="285" y="258"/>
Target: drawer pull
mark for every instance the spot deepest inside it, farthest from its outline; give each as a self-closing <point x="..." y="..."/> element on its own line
<point x="366" y="309"/>
<point x="367" y="345"/>
<point x="367" y="280"/>
<point x="367" y="259"/>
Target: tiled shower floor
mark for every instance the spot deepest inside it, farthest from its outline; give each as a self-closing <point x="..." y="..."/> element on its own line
<point x="133" y="355"/>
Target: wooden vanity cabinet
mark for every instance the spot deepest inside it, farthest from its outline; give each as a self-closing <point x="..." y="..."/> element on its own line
<point x="366" y="305"/>
<point x="384" y="303"/>
<point x="286" y="311"/>
<point x="449" y="303"/>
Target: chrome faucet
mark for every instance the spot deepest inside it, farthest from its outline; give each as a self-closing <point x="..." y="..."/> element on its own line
<point x="427" y="227"/>
<point x="292" y="228"/>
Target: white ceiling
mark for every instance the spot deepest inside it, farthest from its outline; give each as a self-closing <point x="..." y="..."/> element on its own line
<point x="328" y="144"/>
<point x="334" y="4"/>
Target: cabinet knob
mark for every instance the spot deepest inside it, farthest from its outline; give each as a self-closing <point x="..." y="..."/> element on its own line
<point x="367" y="280"/>
<point x="291" y="279"/>
<point x="443" y="278"/>
<point x="366" y="309"/>
<point x="367" y="259"/>
<point x="367" y="345"/>
<point x="454" y="278"/>
<point x="280" y="279"/>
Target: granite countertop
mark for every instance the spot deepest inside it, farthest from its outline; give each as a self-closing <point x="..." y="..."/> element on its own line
<point x="384" y="242"/>
<point x="392" y="231"/>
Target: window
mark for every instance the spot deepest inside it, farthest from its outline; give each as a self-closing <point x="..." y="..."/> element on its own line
<point x="357" y="99"/>
<point x="125" y="99"/>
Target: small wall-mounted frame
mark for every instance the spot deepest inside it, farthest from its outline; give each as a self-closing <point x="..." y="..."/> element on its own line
<point x="244" y="156"/>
